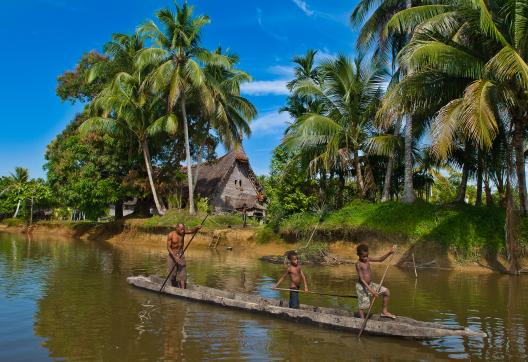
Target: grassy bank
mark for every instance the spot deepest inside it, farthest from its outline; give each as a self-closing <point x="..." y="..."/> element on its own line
<point x="461" y="227"/>
<point x="173" y="217"/>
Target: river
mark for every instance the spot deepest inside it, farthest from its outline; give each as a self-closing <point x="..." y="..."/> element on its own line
<point x="68" y="300"/>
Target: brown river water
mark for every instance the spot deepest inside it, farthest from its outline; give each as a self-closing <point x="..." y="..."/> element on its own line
<point x="68" y="300"/>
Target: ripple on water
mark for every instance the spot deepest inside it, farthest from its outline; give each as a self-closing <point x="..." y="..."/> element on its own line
<point x="72" y="297"/>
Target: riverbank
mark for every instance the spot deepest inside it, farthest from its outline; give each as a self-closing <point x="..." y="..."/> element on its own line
<point x="341" y="242"/>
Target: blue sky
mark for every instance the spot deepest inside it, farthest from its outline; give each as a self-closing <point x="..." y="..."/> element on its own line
<point x="42" y="38"/>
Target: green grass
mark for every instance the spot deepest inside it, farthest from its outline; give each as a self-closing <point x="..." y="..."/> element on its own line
<point x="13" y="222"/>
<point x="173" y="217"/>
<point x="459" y="226"/>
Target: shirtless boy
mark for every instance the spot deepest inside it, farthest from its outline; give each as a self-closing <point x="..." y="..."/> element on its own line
<point x="365" y="288"/>
<point x="175" y="243"/>
<point x="296" y="274"/>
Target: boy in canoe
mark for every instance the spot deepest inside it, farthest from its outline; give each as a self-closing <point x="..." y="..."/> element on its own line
<point x="175" y="243"/>
<point x="296" y="274"/>
<point x="365" y="287"/>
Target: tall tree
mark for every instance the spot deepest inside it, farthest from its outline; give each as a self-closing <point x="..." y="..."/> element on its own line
<point x="336" y="135"/>
<point x="178" y="57"/>
<point x="387" y="44"/>
<point x="485" y="44"/>
<point x="126" y="107"/>
<point x="16" y="184"/>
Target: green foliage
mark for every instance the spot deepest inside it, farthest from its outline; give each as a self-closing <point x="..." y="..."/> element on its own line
<point x="13" y="222"/>
<point x="202" y="204"/>
<point x="288" y="187"/>
<point x="75" y="85"/>
<point x="87" y="173"/>
<point x="265" y="234"/>
<point x="174" y="217"/>
<point x="18" y="189"/>
<point x="460" y="226"/>
<point x="314" y="251"/>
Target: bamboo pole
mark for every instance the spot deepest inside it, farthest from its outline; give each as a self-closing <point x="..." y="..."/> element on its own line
<point x="374" y="298"/>
<point x="183" y="252"/>
<point x="310" y="292"/>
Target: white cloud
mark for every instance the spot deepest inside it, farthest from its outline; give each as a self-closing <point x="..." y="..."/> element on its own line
<point x="264" y="28"/>
<point x="301" y="4"/>
<point x="282" y="70"/>
<point x="273" y="122"/>
<point x="325" y="54"/>
<point x="264" y="87"/>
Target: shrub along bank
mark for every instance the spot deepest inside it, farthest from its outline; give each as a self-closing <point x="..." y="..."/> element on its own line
<point x="465" y="229"/>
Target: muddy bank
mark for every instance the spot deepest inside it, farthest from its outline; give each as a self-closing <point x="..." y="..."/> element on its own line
<point x="427" y="254"/>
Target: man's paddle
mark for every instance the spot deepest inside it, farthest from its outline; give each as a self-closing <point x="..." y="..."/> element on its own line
<point x="183" y="252"/>
<point x="310" y="292"/>
<point x="374" y="297"/>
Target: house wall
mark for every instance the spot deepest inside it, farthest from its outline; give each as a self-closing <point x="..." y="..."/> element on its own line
<point x="233" y="195"/>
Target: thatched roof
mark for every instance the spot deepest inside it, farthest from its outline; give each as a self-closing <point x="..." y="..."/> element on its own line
<point x="212" y="174"/>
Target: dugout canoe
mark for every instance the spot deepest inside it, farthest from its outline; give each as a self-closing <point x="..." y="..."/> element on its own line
<point x="325" y="317"/>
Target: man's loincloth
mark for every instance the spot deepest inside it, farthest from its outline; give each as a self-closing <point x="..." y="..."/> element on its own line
<point x="364" y="295"/>
<point x="179" y="272"/>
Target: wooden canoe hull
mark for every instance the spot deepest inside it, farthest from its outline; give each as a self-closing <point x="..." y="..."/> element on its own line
<point x="326" y="317"/>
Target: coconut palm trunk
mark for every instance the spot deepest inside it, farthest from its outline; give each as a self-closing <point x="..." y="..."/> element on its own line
<point x="461" y="194"/>
<point x="518" y="145"/>
<point x="17" y="209"/>
<point x="359" y="175"/>
<point x="192" y="211"/>
<point x="478" y="201"/>
<point x="386" y="194"/>
<point x="487" y="191"/>
<point x="408" y="189"/>
<point x="148" y="164"/>
<point x="512" y="223"/>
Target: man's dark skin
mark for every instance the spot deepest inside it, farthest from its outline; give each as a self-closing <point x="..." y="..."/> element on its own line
<point x="365" y="278"/>
<point x="175" y="244"/>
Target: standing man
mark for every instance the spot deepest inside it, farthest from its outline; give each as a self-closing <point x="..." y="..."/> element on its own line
<point x="175" y="244"/>
<point x="244" y="216"/>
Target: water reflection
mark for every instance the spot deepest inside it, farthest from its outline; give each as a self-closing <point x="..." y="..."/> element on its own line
<point x="69" y="300"/>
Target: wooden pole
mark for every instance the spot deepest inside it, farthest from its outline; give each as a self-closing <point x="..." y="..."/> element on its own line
<point x="183" y="252"/>
<point x="310" y="292"/>
<point x="313" y="232"/>
<point x="414" y="263"/>
<point x="31" y="213"/>
<point x="374" y="298"/>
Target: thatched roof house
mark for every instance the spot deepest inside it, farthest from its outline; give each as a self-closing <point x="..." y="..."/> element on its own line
<point x="230" y="184"/>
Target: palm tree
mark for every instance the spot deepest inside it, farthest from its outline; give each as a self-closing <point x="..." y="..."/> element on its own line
<point x="332" y="138"/>
<point x="489" y="50"/>
<point x="232" y="112"/>
<point x="485" y="44"/>
<point x="16" y="183"/>
<point x="178" y="56"/>
<point x="305" y="70"/>
<point x="125" y="107"/>
<point x="388" y="44"/>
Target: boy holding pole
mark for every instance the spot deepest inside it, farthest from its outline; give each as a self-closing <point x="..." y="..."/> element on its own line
<point x="365" y="287"/>
<point x="296" y="275"/>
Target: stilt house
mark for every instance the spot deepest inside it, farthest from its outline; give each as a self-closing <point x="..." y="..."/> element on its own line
<point x="230" y="184"/>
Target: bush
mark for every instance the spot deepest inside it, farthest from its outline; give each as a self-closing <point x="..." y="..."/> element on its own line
<point x="461" y="226"/>
<point x="202" y="204"/>
<point x="265" y="234"/>
<point x="13" y="222"/>
<point x="173" y="217"/>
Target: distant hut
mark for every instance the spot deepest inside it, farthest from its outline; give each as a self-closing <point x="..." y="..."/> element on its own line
<point x="230" y="184"/>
